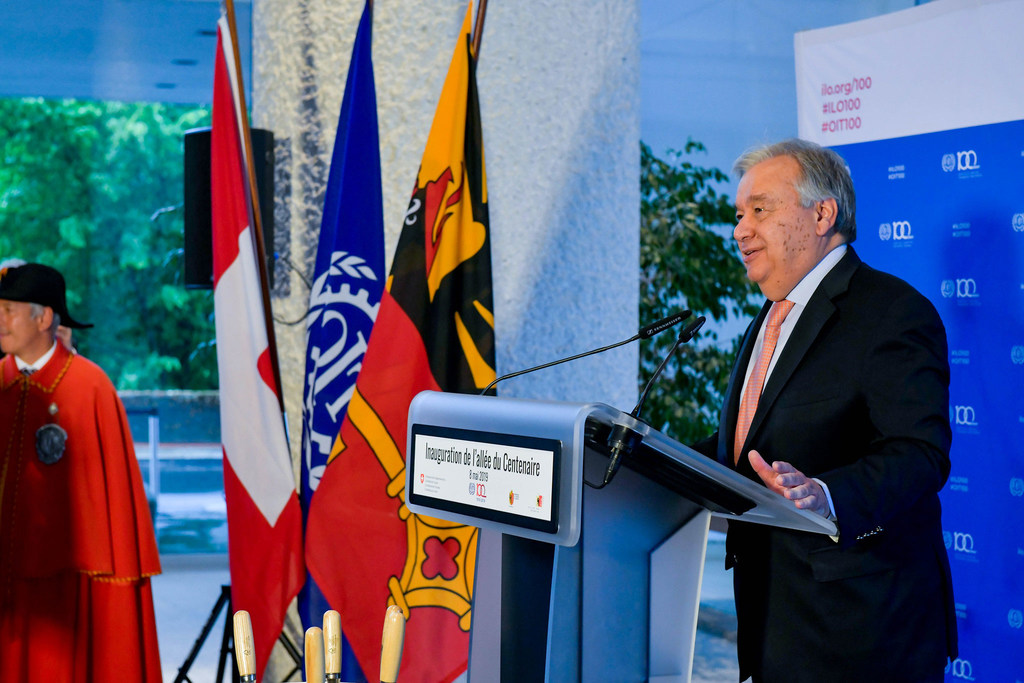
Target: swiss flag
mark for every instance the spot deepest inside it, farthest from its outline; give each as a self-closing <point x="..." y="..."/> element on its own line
<point x="264" y="519"/>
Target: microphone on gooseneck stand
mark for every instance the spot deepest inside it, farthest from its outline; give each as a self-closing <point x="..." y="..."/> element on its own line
<point x="645" y="332"/>
<point x="686" y="335"/>
<point x="659" y="326"/>
<point x="622" y="439"/>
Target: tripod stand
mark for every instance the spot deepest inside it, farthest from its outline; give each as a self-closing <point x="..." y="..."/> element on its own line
<point x="227" y="644"/>
<point x="227" y="647"/>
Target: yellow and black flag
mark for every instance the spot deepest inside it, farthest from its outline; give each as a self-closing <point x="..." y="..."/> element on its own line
<point x="434" y="330"/>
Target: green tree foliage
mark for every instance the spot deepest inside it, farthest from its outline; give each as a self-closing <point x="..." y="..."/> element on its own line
<point x="95" y="190"/>
<point x="688" y="260"/>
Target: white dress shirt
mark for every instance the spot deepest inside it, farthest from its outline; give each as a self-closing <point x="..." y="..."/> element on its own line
<point x="40" y="362"/>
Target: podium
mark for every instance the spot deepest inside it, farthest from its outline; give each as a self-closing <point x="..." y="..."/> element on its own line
<point x="575" y="582"/>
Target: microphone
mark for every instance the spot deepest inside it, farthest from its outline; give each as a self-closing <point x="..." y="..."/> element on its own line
<point x="645" y="332"/>
<point x="622" y="439"/>
<point x="686" y="335"/>
<point x="661" y="325"/>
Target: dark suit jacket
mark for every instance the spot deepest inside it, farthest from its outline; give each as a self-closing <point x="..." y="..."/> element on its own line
<point x="859" y="398"/>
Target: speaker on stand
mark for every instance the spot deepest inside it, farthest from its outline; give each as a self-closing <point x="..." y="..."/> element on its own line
<point x="198" y="218"/>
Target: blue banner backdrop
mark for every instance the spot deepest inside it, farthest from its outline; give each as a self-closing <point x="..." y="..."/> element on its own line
<point x="945" y="211"/>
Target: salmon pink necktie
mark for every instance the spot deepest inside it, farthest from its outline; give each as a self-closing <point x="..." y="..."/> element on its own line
<point x="748" y="403"/>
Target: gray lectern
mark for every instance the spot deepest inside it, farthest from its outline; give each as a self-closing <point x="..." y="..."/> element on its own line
<point x="574" y="582"/>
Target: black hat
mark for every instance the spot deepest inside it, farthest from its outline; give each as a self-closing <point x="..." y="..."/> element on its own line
<point x="35" y="283"/>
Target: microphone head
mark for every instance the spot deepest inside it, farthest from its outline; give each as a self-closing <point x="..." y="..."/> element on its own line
<point x="648" y="331"/>
<point x="690" y="330"/>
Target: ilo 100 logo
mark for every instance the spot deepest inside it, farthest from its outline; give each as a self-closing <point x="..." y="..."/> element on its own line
<point x="896" y="231"/>
<point x="963" y="416"/>
<point x="960" y="288"/>
<point x="960" y="669"/>
<point x="964" y="160"/>
<point x="960" y="543"/>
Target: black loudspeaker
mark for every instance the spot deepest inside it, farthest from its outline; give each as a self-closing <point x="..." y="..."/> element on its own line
<point x="198" y="223"/>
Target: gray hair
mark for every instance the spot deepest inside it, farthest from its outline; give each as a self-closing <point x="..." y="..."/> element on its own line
<point x="36" y="310"/>
<point x="824" y="175"/>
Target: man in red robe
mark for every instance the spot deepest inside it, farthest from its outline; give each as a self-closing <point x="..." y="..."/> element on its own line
<point x="77" y="547"/>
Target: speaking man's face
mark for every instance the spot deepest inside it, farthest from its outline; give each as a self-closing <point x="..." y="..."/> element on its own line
<point x="779" y="239"/>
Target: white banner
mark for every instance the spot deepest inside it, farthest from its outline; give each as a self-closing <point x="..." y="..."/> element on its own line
<point x="943" y="65"/>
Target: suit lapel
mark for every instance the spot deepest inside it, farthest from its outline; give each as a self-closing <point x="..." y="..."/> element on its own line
<point x="819" y="309"/>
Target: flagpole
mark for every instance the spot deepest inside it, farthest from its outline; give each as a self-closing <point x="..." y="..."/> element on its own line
<point x="478" y="29"/>
<point x="254" y="203"/>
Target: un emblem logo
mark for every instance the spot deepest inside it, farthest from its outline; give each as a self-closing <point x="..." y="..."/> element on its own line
<point x="884" y="231"/>
<point x="948" y="162"/>
<point x="1018" y="222"/>
<point x="948" y="289"/>
<point x="1017" y="487"/>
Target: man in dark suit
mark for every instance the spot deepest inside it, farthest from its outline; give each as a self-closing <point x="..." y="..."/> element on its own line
<point x="839" y="402"/>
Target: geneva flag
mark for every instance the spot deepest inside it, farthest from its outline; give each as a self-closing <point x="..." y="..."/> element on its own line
<point x="434" y="330"/>
<point x="264" y="521"/>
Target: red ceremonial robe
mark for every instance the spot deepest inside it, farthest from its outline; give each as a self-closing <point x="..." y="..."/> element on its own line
<point x="77" y="546"/>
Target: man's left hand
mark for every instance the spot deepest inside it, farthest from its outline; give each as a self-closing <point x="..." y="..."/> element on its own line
<point x="790" y="482"/>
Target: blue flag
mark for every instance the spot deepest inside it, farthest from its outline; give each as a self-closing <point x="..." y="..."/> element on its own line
<point x="347" y="284"/>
